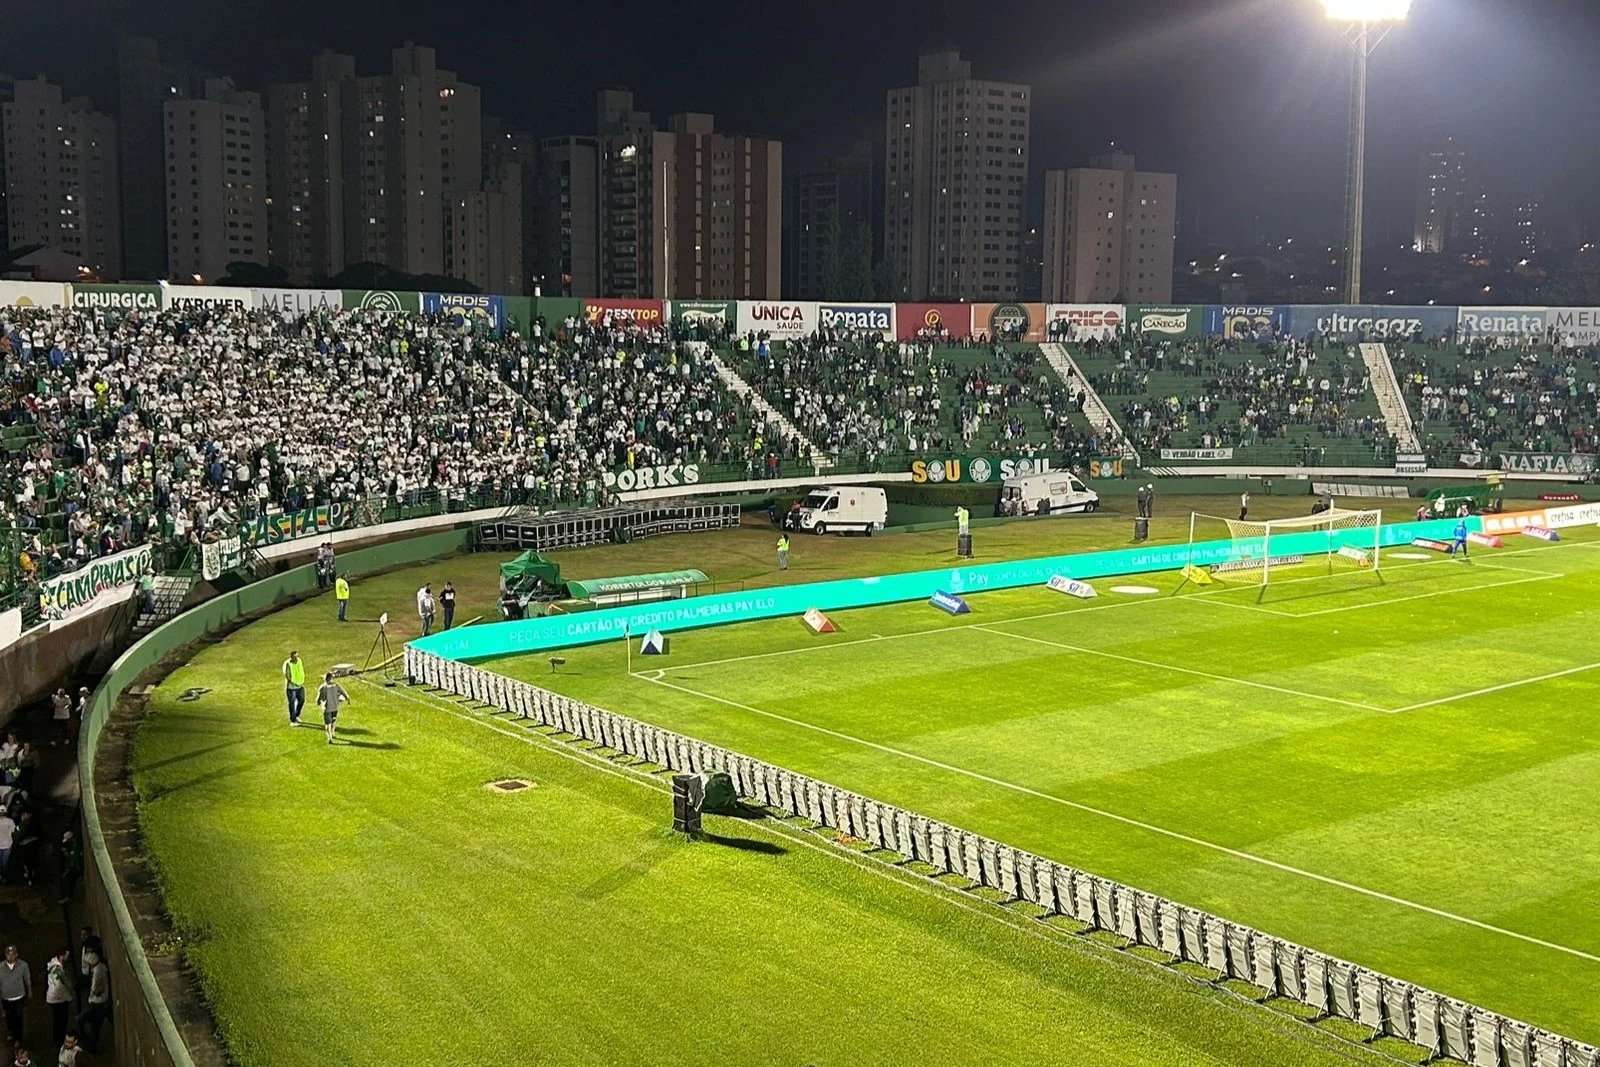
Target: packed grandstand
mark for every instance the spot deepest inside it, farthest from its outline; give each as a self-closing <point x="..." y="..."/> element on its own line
<point x="188" y="414"/>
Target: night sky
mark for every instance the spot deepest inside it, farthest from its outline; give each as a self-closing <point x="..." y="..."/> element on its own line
<point x="1245" y="99"/>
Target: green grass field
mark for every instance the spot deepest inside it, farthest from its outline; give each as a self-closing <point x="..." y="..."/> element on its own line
<point x="371" y="902"/>
<point x="1400" y="773"/>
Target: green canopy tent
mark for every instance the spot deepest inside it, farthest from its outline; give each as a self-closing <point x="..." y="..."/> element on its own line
<point x="530" y="576"/>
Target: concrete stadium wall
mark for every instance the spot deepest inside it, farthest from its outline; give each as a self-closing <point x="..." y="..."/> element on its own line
<point x="146" y="1034"/>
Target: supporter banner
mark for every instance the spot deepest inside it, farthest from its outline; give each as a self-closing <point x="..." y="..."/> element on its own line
<point x="218" y="557"/>
<point x="117" y="297"/>
<point x="467" y="309"/>
<point x="35" y="294"/>
<point x="10" y="626"/>
<point x="292" y="525"/>
<point x="1575" y="326"/>
<point x="1410" y="463"/>
<point x="205" y="298"/>
<point x="1581" y="464"/>
<point x="625" y="481"/>
<point x="382" y="300"/>
<point x="871" y="318"/>
<point x="105" y="581"/>
<point x="293" y="303"/>
<point x="623" y="312"/>
<point x="1500" y="322"/>
<point x="1372" y="321"/>
<point x="1156" y="321"/>
<point x="1197" y="453"/>
<point x="977" y="470"/>
<point x="1470" y="460"/>
<point x="1107" y="467"/>
<point x="782" y="319"/>
<point x="1246" y="322"/>
<point x="913" y="319"/>
<point x="707" y="312"/>
<point x="1088" y="320"/>
<point x="995" y="320"/>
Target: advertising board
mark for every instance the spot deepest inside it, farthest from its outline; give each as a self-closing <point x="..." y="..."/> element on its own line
<point x="914" y="320"/>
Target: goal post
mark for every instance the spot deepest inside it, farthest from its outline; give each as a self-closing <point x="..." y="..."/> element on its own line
<point x="1345" y="539"/>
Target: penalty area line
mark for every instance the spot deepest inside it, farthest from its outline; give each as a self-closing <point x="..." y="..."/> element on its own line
<point x="1140" y="825"/>
<point x="1486" y="690"/>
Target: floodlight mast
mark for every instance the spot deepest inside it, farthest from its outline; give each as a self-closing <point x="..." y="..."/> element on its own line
<point x="1368" y="22"/>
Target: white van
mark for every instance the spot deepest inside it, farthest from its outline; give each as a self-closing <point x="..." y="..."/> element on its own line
<point x="1040" y="494"/>
<point x="836" y="509"/>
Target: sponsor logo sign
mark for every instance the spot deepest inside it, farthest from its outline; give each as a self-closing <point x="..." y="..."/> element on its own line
<point x="1089" y="320"/>
<point x="204" y="298"/>
<point x="1486" y="540"/>
<point x="949" y="602"/>
<point x="708" y="312"/>
<point x="913" y="319"/>
<point x="626" y="481"/>
<point x="622" y="312"/>
<point x="1372" y="321"/>
<point x="1071" y="586"/>
<point x="293" y="303"/>
<point x="1158" y="322"/>
<point x="1246" y="322"/>
<point x="1540" y="533"/>
<point x="976" y="470"/>
<point x="1197" y="453"/>
<point x="1431" y="545"/>
<point x="873" y="318"/>
<point x="1560" y="498"/>
<point x="1410" y="463"/>
<point x="387" y="300"/>
<point x="818" y="622"/>
<point x="105" y="581"/>
<point x="1501" y="322"/>
<point x="1510" y="522"/>
<point x="1356" y="555"/>
<point x="1577" y="326"/>
<point x="467" y="309"/>
<point x="1571" y="515"/>
<point x="779" y="318"/>
<point x="34" y="294"/>
<point x="1008" y="319"/>
<point x="117" y="297"/>
<point x="1579" y="463"/>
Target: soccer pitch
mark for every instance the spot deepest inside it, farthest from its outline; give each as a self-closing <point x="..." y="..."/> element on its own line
<point x="1400" y="771"/>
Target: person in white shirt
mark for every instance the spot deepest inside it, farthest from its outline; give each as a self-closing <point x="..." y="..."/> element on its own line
<point x="425" y="608"/>
<point x="58" y="994"/>
<point x="1244" y="505"/>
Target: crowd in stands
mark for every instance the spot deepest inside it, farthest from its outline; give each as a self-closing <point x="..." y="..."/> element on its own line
<point x="1474" y="399"/>
<point x="169" y="425"/>
<point x="1216" y="393"/>
<point x="866" y="396"/>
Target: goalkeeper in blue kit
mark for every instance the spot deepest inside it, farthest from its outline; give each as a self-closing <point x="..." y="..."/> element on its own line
<point x="1460" y="542"/>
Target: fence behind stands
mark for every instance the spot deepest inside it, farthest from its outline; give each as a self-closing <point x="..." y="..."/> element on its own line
<point x="1385" y="1006"/>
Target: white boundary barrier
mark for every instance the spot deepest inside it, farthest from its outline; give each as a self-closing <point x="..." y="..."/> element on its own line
<point x="1387" y="1007"/>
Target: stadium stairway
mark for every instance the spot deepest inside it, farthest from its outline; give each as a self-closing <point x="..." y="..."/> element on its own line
<point x="1391" y="402"/>
<point x="742" y="389"/>
<point x="1094" y="409"/>
<point x="168" y="593"/>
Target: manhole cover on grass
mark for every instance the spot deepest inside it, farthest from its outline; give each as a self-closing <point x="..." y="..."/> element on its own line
<point x="509" y="785"/>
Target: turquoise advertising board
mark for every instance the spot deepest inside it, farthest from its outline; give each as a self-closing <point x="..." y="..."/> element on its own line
<point x="563" y="631"/>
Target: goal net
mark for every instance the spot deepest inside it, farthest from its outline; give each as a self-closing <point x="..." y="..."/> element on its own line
<point x="1339" y="539"/>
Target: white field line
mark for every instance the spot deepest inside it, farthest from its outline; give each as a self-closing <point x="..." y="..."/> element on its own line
<point x="1539" y="576"/>
<point x="1186" y="670"/>
<point x="1498" y="688"/>
<point x="1201" y="597"/>
<point x="932" y="888"/>
<point x="1138" y="824"/>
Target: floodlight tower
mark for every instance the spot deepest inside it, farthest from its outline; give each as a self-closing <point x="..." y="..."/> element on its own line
<point x="1367" y="23"/>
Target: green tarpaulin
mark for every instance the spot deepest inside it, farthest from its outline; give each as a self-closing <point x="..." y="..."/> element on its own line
<point x="589" y="588"/>
<point x="526" y="566"/>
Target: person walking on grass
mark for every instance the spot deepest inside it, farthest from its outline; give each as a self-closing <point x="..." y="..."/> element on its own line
<point x="341" y="593"/>
<point x="1244" y="505"/>
<point x="16" y="986"/>
<point x="330" y="696"/>
<point x="783" y="552"/>
<point x="447" y="598"/>
<point x="58" y="994"/>
<point x="294" y="682"/>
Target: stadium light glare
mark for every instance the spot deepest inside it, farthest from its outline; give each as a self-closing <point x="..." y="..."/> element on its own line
<point x="1367" y="10"/>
